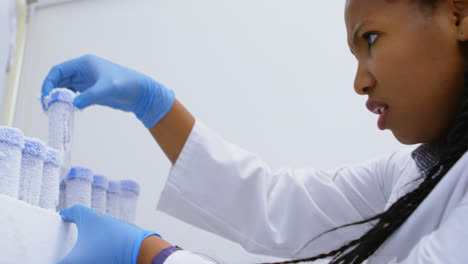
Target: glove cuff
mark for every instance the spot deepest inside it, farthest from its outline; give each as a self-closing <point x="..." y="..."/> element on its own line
<point x="155" y="104"/>
<point x="136" y="248"/>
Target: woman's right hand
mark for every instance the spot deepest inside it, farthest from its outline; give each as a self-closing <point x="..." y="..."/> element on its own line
<point x="105" y="239"/>
<point x="103" y="82"/>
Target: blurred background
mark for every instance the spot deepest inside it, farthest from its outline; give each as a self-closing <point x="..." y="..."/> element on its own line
<point x="274" y="77"/>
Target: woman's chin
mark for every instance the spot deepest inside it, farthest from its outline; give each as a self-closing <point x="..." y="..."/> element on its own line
<point x="406" y="139"/>
<point x="411" y="137"/>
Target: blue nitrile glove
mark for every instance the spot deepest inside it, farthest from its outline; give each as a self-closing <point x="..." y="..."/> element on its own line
<point x="105" y="83"/>
<point x="103" y="239"/>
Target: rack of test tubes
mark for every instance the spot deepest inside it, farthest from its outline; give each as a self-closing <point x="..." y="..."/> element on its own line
<point x="41" y="174"/>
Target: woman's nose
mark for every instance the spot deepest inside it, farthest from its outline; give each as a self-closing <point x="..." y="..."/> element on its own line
<point x="364" y="81"/>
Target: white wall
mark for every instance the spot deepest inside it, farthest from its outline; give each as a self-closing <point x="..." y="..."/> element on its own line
<point x="275" y="77"/>
<point x="7" y="41"/>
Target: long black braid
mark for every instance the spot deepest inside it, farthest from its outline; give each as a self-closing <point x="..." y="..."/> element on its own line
<point x="451" y="148"/>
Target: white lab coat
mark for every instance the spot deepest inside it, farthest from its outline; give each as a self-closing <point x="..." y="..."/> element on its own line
<point x="228" y="191"/>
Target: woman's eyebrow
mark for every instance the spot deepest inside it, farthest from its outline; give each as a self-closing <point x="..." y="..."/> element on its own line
<point x="357" y="29"/>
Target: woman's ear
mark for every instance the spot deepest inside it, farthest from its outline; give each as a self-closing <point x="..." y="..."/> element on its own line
<point x="460" y="9"/>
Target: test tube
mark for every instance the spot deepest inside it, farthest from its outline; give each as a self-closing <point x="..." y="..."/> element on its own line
<point x="11" y="144"/>
<point x="61" y="112"/>
<point x="62" y="191"/>
<point x="32" y="166"/>
<point x="51" y="180"/>
<point x="129" y="192"/>
<point x="113" y="199"/>
<point x="99" y="196"/>
<point x="78" y="187"/>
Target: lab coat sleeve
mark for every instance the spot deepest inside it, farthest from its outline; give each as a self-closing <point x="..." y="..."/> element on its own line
<point x="228" y="191"/>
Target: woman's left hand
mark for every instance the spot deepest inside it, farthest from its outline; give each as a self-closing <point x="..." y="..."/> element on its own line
<point x="103" y="239"/>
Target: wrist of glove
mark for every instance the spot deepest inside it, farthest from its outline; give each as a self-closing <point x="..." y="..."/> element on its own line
<point x="102" y="238"/>
<point x="153" y="103"/>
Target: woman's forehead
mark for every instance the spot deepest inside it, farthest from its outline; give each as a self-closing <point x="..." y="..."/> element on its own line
<point x="361" y="9"/>
<point x="357" y="11"/>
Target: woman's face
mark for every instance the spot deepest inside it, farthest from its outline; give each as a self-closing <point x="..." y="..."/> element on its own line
<point x="412" y="61"/>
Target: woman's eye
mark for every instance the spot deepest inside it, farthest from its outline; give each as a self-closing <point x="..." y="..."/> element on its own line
<point x="371" y="38"/>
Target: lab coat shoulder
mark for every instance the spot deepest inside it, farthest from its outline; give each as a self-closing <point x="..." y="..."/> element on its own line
<point x="217" y="186"/>
<point x="369" y="185"/>
<point x="443" y="236"/>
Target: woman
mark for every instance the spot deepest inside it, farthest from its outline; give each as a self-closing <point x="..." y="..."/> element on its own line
<point x="407" y="207"/>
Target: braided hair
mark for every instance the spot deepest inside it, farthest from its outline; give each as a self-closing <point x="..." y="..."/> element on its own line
<point x="451" y="148"/>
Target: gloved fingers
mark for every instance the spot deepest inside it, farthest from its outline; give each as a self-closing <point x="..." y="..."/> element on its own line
<point x="95" y="94"/>
<point x="69" y="74"/>
<point x="53" y="78"/>
<point x="77" y="214"/>
<point x="100" y="94"/>
<point x="89" y="96"/>
<point x="59" y="73"/>
<point x="69" y="83"/>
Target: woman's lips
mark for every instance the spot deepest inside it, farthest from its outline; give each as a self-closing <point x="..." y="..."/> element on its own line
<point x="382" y="119"/>
<point x="379" y="108"/>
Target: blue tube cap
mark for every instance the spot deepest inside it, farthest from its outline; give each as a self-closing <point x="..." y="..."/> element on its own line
<point x="63" y="95"/>
<point x="12" y="136"/>
<point x="114" y="187"/>
<point x="129" y="185"/>
<point x="53" y="157"/>
<point x="100" y="181"/>
<point x="35" y="147"/>
<point x="81" y="173"/>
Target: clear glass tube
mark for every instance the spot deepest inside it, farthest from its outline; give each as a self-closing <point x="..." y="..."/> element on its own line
<point x="129" y="192"/>
<point x="62" y="196"/>
<point x="32" y="166"/>
<point x="78" y="187"/>
<point x="11" y="145"/>
<point x="99" y="194"/>
<point x="61" y="113"/>
<point x="51" y="180"/>
<point x="113" y="199"/>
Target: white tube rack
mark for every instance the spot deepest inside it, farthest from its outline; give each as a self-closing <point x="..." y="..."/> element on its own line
<point x="30" y="234"/>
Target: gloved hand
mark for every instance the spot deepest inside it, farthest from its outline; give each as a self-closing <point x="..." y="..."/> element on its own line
<point x="103" y="239"/>
<point x="102" y="82"/>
